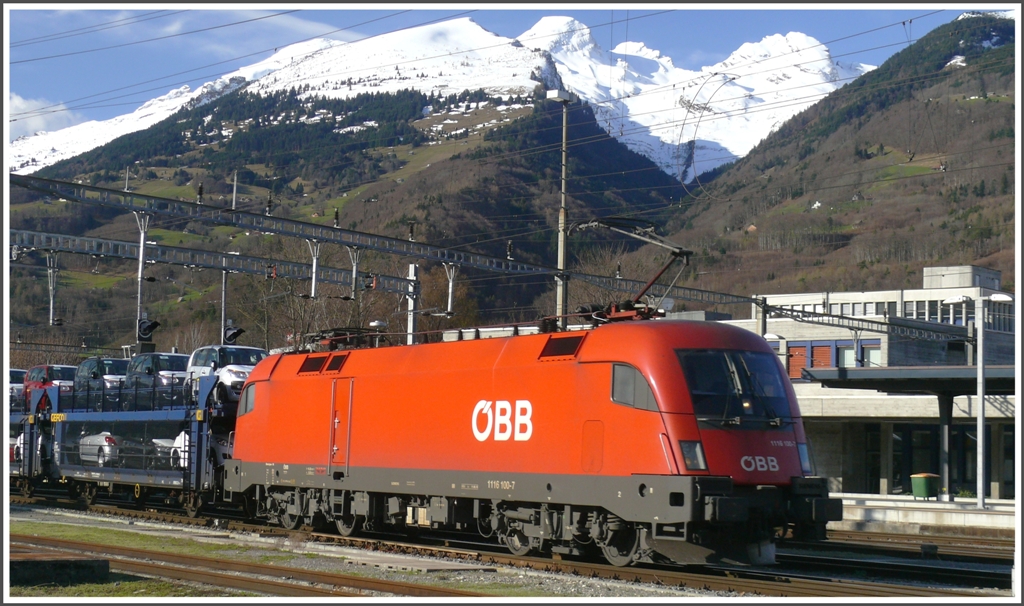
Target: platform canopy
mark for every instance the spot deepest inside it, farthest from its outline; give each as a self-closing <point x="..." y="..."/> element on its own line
<point x="934" y="380"/>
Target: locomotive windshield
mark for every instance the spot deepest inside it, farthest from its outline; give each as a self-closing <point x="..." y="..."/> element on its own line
<point x="733" y="387"/>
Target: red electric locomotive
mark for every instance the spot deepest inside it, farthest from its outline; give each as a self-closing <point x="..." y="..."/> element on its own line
<point x="639" y="440"/>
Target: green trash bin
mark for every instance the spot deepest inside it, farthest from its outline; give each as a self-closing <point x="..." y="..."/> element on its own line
<point x="925" y="485"/>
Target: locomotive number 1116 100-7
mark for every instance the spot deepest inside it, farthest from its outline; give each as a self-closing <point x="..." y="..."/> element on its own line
<point x="501" y="484"/>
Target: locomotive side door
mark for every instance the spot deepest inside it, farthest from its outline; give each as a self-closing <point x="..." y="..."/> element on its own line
<point x="341" y="423"/>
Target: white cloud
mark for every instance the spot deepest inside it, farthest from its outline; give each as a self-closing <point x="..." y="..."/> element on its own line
<point x="24" y="120"/>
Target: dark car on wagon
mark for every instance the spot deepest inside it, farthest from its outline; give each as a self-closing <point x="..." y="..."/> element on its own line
<point x="154" y="380"/>
<point x="99" y="381"/>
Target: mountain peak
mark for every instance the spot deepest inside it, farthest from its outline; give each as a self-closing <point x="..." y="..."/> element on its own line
<point x="558" y="35"/>
<point x="637" y="94"/>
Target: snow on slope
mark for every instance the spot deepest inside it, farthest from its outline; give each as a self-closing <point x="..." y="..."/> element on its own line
<point x="31" y="153"/>
<point x="444" y="58"/>
<point x="721" y="112"/>
<point x="681" y="119"/>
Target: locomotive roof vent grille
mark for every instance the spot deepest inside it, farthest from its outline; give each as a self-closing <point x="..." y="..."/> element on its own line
<point x="312" y="364"/>
<point x="560" y="347"/>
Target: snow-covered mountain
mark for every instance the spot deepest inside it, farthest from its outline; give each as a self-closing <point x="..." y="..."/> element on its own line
<point x="683" y="120"/>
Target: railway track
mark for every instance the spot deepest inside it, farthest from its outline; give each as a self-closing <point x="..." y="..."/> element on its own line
<point x="758" y="582"/>
<point x="929" y="546"/>
<point x="904" y="570"/>
<point x="218" y="572"/>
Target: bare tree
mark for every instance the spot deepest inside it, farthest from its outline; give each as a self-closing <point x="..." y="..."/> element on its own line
<point x="193" y="336"/>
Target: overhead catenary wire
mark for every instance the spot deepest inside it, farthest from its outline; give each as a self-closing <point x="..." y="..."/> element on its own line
<point x="91" y="29"/>
<point x="179" y="34"/>
<point x="575" y="143"/>
<point x="487" y="47"/>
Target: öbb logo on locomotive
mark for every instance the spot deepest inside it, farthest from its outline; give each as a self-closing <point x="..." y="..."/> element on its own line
<point x="749" y="463"/>
<point x="499" y="418"/>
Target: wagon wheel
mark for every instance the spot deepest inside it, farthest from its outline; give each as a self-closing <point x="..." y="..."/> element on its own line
<point x="348" y="525"/>
<point x="26" y="487"/>
<point x="249" y="507"/>
<point x="622" y="546"/>
<point x="74" y="490"/>
<point x="517" y="542"/>
<point x="90" y="491"/>
<point x="139" y="497"/>
<point x="193" y="505"/>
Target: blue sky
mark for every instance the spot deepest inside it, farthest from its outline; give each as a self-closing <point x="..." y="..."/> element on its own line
<point x="150" y="43"/>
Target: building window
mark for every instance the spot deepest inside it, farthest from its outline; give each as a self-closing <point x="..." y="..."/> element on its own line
<point x="833" y="308"/>
<point x="933" y="311"/>
<point x="872" y="355"/>
<point x="908" y="309"/>
<point x="922" y="308"/>
<point x="847" y="309"/>
<point x="819" y="307"/>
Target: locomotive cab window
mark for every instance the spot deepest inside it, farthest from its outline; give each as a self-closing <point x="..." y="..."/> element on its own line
<point x="247" y="400"/>
<point x="735" y="387"/>
<point x="629" y="387"/>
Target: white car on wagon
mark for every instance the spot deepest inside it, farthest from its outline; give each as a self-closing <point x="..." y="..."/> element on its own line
<point x="230" y="364"/>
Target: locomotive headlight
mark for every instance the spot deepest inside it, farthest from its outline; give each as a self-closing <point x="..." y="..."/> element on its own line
<point x="693" y="456"/>
<point x="805" y="459"/>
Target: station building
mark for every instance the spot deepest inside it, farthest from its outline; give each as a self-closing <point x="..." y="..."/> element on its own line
<point x="870" y="441"/>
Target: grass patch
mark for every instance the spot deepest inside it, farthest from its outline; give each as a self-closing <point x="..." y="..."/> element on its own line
<point x="119" y="538"/>
<point x="163" y="189"/>
<point x="903" y="170"/>
<point x="121" y="585"/>
<point x="173" y="237"/>
<point x="86" y="279"/>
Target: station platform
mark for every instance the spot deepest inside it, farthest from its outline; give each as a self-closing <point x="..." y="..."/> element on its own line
<point x="906" y="515"/>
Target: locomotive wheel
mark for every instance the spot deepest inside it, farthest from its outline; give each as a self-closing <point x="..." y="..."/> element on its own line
<point x="348" y="525"/>
<point x="90" y="492"/>
<point x="517" y="542"/>
<point x="290" y="521"/>
<point x="623" y="545"/>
